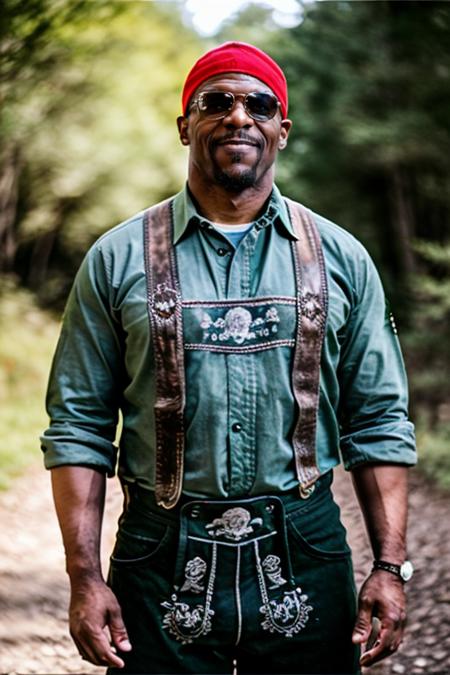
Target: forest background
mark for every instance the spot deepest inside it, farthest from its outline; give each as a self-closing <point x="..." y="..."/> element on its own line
<point x="89" y="94"/>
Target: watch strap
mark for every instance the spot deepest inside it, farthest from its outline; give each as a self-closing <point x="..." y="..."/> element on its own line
<point x="387" y="567"/>
<point x="404" y="571"/>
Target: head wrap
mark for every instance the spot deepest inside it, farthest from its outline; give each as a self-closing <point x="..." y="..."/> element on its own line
<point x="237" y="57"/>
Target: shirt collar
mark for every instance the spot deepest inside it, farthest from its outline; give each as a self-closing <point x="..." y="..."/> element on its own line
<point x="185" y="213"/>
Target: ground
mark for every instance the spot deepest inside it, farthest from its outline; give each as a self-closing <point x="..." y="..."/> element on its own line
<point x="34" y="593"/>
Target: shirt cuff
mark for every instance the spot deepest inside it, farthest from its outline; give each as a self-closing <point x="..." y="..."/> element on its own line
<point x="68" y="446"/>
<point x="390" y="443"/>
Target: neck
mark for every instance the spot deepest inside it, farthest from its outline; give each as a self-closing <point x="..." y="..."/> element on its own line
<point x="220" y="206"/>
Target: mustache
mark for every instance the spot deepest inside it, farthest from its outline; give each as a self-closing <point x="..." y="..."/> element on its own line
<point x="239" y="135"/>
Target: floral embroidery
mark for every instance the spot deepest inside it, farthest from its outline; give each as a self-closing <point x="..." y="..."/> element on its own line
<point x="194" y="571"/>
<point x="311" y="306"/>
<point x="185" y="622"/>
<point x="288" y="616"/>
<point x="271" y="566"/>
<point x="238" y="325"/>
<point x="234" y="524"/>
<point x="164" y="301"/>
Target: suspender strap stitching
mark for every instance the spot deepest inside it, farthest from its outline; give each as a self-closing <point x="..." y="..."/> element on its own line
<point x="165" y="315"/>
<point x="312" y="297"/>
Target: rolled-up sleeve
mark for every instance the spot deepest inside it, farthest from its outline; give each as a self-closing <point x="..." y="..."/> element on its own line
<point x="85" y="385"/>
<point x="373" y="412"/>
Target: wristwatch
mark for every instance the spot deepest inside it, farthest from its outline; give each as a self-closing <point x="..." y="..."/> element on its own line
<point x="404" y="571"/>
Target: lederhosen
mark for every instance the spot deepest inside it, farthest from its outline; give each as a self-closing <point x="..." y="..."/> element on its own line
<point x="216" y="535"/>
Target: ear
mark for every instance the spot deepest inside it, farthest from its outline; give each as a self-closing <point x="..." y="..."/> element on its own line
<point x="284" y="134"/>
<point x="182" y="124"/>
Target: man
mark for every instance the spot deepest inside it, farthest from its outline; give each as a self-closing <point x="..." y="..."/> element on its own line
<point x="246" y="342"/>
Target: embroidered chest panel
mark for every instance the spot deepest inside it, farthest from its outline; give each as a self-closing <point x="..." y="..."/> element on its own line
<point x="239" y="326"/>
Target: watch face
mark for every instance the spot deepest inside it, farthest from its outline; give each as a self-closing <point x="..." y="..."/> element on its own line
<point x="406" y="570"/>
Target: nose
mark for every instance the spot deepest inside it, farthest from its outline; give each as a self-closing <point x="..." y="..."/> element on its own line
<point x="238" y="117"/>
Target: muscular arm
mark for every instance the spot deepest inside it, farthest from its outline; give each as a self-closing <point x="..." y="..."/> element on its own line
<point x="382" y="494"/>
<point x="79" y="495"/>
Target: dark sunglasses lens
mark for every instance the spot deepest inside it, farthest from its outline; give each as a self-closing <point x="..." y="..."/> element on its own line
<point x="261" y="106"/>
<point x="216" y="102"/>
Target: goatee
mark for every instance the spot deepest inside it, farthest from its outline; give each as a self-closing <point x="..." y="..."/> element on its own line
<point x="237" y="182"/>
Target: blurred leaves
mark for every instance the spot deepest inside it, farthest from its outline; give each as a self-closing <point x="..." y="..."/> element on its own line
<point x="24" y="366"/>
<point x="90" y="95"/>
<point x="370" y="101"/>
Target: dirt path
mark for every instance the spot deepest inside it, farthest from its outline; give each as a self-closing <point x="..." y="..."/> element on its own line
<point x="34" y="594"/>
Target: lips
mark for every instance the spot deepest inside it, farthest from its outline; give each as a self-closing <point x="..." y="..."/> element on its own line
<point x="237" y="142"/>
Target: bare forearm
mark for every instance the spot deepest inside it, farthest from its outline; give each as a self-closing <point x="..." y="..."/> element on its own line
<point x="79" y="495"/>
<point x="383" y="496"/>
<point x="95" y="618"/>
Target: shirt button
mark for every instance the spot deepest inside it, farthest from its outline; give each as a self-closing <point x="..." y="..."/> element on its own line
<point x="222" y="251"/>
<point x="236" y="427"/>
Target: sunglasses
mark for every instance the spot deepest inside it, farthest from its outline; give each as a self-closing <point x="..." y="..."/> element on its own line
<point x="261" y="106"/>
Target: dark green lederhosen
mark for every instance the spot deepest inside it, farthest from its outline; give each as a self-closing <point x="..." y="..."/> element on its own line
<point x="267" y="581"/>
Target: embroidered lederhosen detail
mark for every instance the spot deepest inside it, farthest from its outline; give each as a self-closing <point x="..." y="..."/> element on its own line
<point x="164" y="307"/>
<point x="237" y="326"/>
<point x="223" y="536"/>
<point x="186" y="622"/>
<point x="312" y="298"/>
<point x="240" y="326"/>
<point x="286" y="615"/>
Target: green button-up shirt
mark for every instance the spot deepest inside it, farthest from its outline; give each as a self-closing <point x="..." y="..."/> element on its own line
<point x="240" y="408"/>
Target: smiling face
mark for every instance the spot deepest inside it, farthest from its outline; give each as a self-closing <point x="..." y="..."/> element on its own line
<point x="234" y="152"/>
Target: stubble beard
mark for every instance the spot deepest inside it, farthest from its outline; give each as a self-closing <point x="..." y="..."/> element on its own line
<point x="235" y="182"/>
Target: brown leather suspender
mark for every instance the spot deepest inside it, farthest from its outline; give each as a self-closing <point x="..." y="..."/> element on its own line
<point x="164" y="306"/>
<point x="312" y="308"/>
<point x="165" y="312"/>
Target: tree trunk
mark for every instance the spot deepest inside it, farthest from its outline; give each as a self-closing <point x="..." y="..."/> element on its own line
<point x="10" y="167"/>
<point x="402" y="223"/>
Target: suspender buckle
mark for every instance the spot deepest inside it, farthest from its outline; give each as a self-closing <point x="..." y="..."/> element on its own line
<point x="306" y="492"/>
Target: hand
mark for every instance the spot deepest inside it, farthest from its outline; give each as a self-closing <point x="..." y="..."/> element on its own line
<point x="381" y="595"/>
<point x="95" y="612"/>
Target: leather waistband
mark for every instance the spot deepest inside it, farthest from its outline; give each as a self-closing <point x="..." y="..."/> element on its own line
<point x="144" y="500"/>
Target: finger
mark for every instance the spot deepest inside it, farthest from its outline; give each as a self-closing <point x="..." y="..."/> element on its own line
<point x="388" y="641"/>
<point x="86" y="653"/>
<point x="98" y="649"/>
<point x="363" y="623"/>
<point x="119" y="635"/>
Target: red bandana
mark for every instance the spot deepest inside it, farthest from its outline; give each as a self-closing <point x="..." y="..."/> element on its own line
<point x="237" y="57"/>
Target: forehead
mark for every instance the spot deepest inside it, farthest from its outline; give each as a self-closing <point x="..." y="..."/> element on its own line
<point x="234" y="82"/>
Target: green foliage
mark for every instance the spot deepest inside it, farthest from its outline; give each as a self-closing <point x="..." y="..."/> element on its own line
<point x="428" y="338"/>
<point x="254" y="24"/>
<point x="433" y="448"/>
<point x="91" y="92"/>
<point x="27" y="341"/>
<point x="370" y="102"/>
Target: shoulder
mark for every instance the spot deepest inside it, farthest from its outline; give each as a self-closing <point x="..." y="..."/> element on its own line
<point x="338" y="240"/>
<point x="127" y="230"/>
<point x="346" y="255"/>
<point x="116" y="254"/>
<point x="121" y="242"/>
<point x="113" y="250"/>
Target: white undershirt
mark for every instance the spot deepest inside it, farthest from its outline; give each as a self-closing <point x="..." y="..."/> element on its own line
<point x="234" y="233"/>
